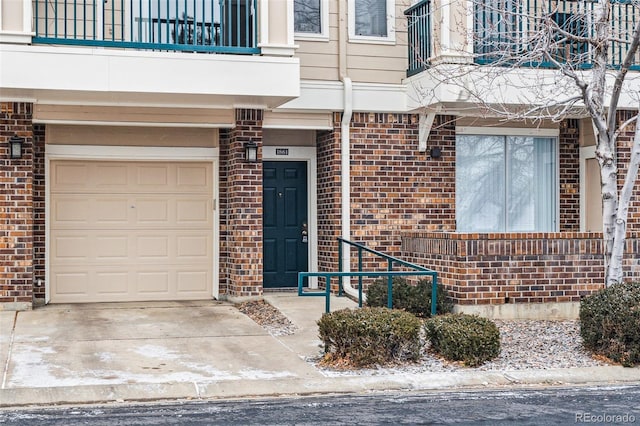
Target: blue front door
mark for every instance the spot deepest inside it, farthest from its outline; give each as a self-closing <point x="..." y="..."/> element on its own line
<point x="285" y="221"/>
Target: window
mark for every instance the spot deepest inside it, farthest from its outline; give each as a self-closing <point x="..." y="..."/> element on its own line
<point x="372" y="19"/>
<point x="310" y="18"/>
<point x="306" y="16"/>
<point x="506" y="183"/>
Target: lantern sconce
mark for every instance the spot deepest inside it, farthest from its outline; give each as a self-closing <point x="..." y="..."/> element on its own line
<point x="251" y="152"/>
<point x="15" y="146"/>
<point x="435" y="152"/>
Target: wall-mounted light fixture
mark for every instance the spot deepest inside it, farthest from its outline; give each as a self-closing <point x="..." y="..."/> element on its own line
<point x="435" y="152"/>
<point x="15" y="146"/>
<point x="251" y="152"/>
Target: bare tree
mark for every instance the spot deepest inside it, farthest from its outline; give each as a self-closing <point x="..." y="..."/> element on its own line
<point x="581" y="51"/>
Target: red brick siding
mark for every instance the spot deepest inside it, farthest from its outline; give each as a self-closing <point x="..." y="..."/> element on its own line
<point x="38" y="209"/>
<point x="511" y="268"/>
<point x="569" y="169"/>
<point x="241" y="224"/>
<point x="329" y="196"/>
<point x="16" y="208"/>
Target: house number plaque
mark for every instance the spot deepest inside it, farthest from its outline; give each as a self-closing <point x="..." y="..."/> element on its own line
<point x="282" y="151"/>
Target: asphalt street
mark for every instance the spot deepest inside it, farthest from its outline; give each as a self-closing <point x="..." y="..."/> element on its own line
<point x="541" y="406"/>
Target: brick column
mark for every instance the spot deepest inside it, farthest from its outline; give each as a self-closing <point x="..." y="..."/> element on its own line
<point x="329" y="196"/>
<point x="16" y="209"/>
<point x="242" y="214"/>
<point x="569" y="176"/>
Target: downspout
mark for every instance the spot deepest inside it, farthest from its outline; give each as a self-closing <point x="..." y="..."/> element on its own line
<point x="345" y="147"/>
<point x="345" y="179"/>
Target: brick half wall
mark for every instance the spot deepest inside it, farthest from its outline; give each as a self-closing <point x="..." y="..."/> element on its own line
<point x="481" y="269"/>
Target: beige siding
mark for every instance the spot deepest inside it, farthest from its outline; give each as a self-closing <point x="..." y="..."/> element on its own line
<point x="130" y="231"/>
<point x="367" y="62"/>
<point x="205" y="117"/>
<point x="285" y="137"/>
<point x="593" y="200"/>
<point x="59" y="134"/>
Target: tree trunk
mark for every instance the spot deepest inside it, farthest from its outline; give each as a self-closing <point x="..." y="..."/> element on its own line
<point x="609" y="182"/>
<point x="614" y="271"/>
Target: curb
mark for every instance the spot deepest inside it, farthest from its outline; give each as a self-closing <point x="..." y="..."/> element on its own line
<point x="141" y="392"/>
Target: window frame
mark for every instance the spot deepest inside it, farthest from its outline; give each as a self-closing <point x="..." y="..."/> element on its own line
<point x="323" y="35"/>
<point x="390" y="38"/>
<point x="518" y="132"/>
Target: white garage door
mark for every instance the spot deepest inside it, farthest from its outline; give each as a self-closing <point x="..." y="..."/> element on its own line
<point x="130" y="231"/>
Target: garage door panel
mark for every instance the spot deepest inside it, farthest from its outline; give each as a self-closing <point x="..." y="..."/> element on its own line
<point x="108" y="176"/>
<point x="71" y="176"/>
<point x="112" y="248"/>
<point x="193" y="212"/>
<point x="70" y="211"/>
<point x="110" y="283"/>
<point x="192" y="281"/>
<point x="70" y="283"/>
<point x="71" y="248"/>
<point x="193" y="177"/>
<point x="152" y="211"/>
<point x="131" y="231"/>
<point x="189" y="248"/>
<point x="153" y="175"/>
<point x="95" y="211"/>
<point x="153" y="247"/>
<point x="111" y="211"/>
<point x="156" y="282"/>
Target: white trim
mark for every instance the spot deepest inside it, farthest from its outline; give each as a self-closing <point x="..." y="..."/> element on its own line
<point x="290" y="24"/>
<point x="307" y="154"/>
<point x="126" y="153"/>
<point x="507" y="131"/>
<point x="215" y="288"/>
<point x="298" y="127"/>
<point x="391" y="22"/>
<point x="323" y="35"/>
<point x="586" y="153"/>
<point x="264" y="21"/>
<point x="130" y="153"/>
<point x="137" y="123"/>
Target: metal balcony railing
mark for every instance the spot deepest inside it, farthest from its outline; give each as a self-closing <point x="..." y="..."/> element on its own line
<point x="513" y="31"/>
<point x="216" y="26"/>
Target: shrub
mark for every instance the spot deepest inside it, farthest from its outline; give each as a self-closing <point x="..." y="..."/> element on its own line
<point x="412" y="298"/>
<point x="461" y="337"/>
<point x="370" y="336"/>
<point x="609" y="323"/>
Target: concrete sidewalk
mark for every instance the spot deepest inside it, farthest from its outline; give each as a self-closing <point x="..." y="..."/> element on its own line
<point x="198" y="350"/>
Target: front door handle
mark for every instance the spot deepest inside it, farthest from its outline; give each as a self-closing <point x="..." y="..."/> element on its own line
<point x="305" y="233"/>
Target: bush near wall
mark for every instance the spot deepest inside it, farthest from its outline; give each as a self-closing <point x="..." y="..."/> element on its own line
<point x="412" y="298"/>
<point x="370" y="336"/>
<point x="610" y="323"/>
<point x="467" y="338"/>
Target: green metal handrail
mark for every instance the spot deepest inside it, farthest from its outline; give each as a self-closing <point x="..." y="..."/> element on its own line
<point x="391" y="260"/>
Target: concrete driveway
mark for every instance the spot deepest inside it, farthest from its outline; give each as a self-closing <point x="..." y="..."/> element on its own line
<point x="142" y="346"/>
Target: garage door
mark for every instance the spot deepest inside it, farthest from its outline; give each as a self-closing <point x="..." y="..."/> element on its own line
<point x="130" y="231"/>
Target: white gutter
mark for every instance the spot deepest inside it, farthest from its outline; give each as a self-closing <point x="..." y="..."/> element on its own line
<point x="345" y="146"/>
<point x="345" y="157"/>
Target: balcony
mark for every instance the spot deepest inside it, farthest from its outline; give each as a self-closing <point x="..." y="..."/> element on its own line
<point x="508" y="32"/>
<point x="182" y="53"/>
<point x="212" y="26"/>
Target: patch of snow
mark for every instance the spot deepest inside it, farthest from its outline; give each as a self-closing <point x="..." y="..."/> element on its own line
<point x="156" y="352"/>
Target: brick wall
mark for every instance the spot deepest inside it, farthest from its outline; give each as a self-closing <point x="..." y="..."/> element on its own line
<point x="16" y="209"/>
<point x="329" y="196"/>
<point x="241" y="207"/>
<point x="569" y="179"/>
<point x="482" y="269"/>
<point x="38" y="211"/>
